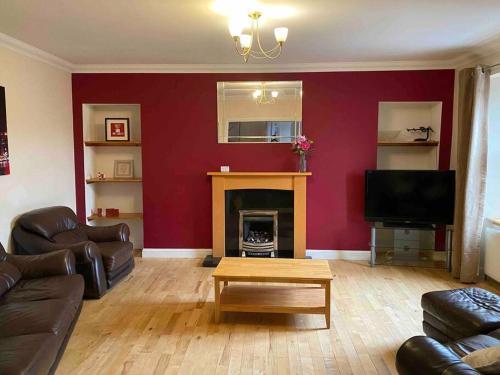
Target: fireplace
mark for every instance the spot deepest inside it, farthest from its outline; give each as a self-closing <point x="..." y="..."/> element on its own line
<point x="258" y="233"/>
<point x="259" y="223"/>
<point x="284" y="192"/>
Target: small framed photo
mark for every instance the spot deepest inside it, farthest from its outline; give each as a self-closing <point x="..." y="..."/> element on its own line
<point x="117" y="129"/>
<point x="124" y="169"/>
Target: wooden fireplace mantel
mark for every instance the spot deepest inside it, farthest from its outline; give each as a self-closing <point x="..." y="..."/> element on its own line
<point x="294" y="181"/>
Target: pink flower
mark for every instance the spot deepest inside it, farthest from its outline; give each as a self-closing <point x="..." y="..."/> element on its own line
<point x="305" y="145"/>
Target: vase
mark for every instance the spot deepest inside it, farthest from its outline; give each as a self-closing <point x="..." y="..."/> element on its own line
<point x="302" y="163"/>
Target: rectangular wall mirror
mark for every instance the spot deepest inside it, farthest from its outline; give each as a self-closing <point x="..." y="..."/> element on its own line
<point x="259" y="112"/>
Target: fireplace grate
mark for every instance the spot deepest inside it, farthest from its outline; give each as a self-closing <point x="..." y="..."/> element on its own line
<point x="258" y="233"/>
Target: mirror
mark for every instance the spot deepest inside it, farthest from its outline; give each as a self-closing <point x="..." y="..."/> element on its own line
<point x="259" y="112"/>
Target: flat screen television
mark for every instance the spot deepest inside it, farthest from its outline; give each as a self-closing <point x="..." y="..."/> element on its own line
<point x="409" y="196"/>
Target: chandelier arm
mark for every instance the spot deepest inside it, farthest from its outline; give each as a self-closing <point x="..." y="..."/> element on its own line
<point x="270" y="55"/>
<point x="264" y="52"/>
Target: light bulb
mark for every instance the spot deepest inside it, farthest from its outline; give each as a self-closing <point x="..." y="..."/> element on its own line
<point x="281" y="33"/>
<point x="245" y="41"/>
<point x="257" y="93"/>
<point x="274" y="94"/>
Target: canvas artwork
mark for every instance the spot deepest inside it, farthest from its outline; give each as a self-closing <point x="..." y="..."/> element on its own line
<point x="4" y="146"/>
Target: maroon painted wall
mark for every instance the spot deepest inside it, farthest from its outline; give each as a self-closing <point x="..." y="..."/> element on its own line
<point x="179" y="139"/>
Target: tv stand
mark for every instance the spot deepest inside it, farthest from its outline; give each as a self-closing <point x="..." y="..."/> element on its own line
<point x="405" y="225"/>
<point x="411" y="244"/>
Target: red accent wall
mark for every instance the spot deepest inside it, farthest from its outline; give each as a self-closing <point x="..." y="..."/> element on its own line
<point x="179" y="139"/>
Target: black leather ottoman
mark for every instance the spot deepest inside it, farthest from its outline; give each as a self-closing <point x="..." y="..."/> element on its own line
<point x="453" y="314"/>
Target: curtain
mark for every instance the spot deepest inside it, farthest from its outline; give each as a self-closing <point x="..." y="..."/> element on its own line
<point x="472" y="143"/>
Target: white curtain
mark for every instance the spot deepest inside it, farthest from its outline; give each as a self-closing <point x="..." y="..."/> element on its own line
<point x="472" y="152"/>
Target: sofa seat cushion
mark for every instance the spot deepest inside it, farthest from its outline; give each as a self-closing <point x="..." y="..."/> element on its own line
<point x="115" y="254"/>
<point x="468" y="345"/>
<point x="9" y="276"/>
<point x="24" y="318"/>
<point x="68" y="287"/>
<point x="28" y="354"/>
<point x="467" y="311"/>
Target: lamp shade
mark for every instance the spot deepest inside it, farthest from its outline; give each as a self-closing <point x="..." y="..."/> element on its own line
<point x="281" y="33"/>
<point x="245" y="41"/>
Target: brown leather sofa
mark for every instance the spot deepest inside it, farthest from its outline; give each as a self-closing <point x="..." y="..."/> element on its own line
<point x="40" y="300"/>
<point x="104" y="255"/>
<point x="457" y="323"/>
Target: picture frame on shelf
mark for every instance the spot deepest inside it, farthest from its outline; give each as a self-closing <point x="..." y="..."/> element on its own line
<point x="117" y="129"/>
<point x="124" y="169"/>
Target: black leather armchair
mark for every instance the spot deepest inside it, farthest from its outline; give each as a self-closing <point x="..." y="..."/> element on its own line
<point x="104" y="255"/>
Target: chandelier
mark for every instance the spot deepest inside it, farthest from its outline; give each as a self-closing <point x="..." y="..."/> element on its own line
<point x="260" y="95"/>
<point x="245" y="43"/>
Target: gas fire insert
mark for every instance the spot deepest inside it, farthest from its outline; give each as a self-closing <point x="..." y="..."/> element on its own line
<point x="258" y="233"/>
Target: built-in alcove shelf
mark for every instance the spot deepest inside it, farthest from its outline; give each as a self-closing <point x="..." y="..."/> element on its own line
<point x="100" y="156"/>
<point x="112" y="144"/>
<point x="121" y="216"/>
<point x="408" y="143"/>
<point x="112" y="180"/>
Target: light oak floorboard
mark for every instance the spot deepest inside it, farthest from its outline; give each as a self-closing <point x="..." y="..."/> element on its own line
<point x="160" y="320"/>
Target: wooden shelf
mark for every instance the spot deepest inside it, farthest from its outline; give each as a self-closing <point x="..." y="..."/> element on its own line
<point x="111" y="144"/>
<point x="121" y="216"/>
<point x="112" y="180"/>
<point x="273" y="299"/>
<point x="408" y="143"/>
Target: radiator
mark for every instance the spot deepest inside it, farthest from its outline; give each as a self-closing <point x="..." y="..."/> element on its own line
<point x="492" y="250"/>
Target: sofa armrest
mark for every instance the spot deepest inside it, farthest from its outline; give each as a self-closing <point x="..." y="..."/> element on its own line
<point x="61" y="262"/>
<point x="118" y="232"/>
<point x="424" y="355"/>
<point x="85" y="252"/>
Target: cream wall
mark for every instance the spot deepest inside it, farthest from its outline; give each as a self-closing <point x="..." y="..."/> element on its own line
<point x="39" y="124"/>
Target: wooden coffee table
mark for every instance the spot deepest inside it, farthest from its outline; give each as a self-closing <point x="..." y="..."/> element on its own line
<point x="289" y="299"/>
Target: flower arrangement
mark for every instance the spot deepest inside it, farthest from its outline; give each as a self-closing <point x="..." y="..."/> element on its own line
<point x="302" y="146"/>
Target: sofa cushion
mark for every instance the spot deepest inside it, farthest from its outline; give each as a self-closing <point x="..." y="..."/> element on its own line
<point x="48" y="316"/>
<point x="486" y="361"/>
<point x="9" y="276"/>
<point x="28" y="354"/>
<point x="47" y="222"/>
<point x="70" y="236"/>
<point x="466" y="311"/>
<point x="468" y="345"/>
<point x="69" y="287"/>
<point x="115" y="254"/>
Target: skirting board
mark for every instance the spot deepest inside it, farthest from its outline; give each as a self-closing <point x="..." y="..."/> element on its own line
<point x="202" y="253"/>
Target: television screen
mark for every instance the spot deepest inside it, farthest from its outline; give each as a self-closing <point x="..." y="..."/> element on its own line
<point x="420" y="197"/>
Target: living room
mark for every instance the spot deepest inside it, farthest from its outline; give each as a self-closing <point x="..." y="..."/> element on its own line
<point x="249" y="187"/>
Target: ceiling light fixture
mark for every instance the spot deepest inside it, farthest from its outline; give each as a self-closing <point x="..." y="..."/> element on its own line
<point x="261" y="97"/>
<point x="244" y="43"/>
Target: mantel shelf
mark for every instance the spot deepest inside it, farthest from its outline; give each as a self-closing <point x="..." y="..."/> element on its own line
<point x="112" y="180"/>
<point x="112" y="144"/>
<point x="254" y="174"/>
<point x="408" y="143"/>
<point x="121" y="216"/>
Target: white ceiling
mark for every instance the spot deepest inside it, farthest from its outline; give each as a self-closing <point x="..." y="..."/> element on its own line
<point x="190" y="32"/>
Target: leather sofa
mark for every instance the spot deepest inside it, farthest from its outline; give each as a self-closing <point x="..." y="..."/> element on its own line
<point x="457" y="323"/>
<point x="104" y="255"/>
<point x="40" y="301"/>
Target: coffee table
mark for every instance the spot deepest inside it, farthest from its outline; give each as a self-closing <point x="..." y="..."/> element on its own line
<point x="265" y="298"/>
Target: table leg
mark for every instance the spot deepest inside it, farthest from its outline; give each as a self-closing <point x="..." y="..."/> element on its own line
<point x="226" y="283"/>
<point x="327" y="304"/>
<point x="217" y="299"/>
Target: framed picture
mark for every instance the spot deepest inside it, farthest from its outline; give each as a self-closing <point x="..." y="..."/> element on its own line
<point x="124" y="169"/>
<point x="4" y="145"/>
<point x="117" y="129"/>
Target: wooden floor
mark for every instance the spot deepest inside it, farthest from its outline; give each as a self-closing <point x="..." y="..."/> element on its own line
<point x="161" y="321"/>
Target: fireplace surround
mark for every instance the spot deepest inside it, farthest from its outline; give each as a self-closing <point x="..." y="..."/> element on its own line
<point x="293" y="182"/>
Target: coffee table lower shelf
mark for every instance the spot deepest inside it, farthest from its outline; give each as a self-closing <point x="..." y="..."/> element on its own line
<point x="273" y="299"/>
